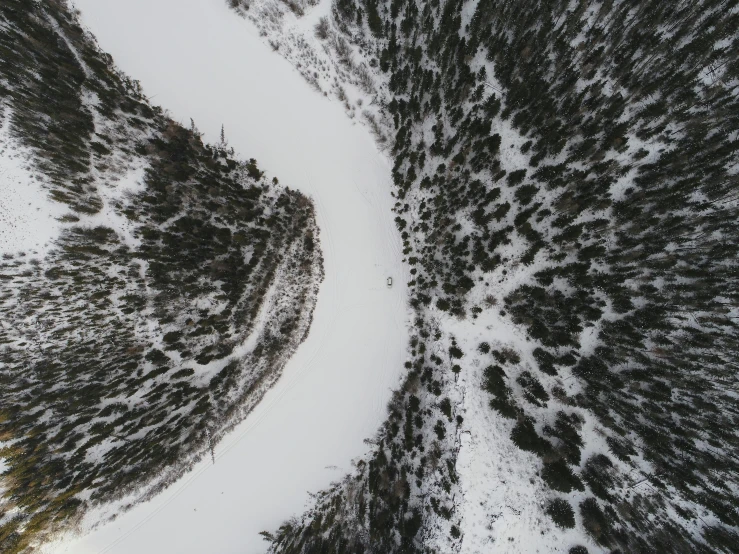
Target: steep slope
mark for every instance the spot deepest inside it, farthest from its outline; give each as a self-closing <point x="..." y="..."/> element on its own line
<point x="174" y="283"/>
<point x="565" y="176"/>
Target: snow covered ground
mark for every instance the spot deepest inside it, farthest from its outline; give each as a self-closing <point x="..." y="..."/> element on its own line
<point x="198" y="60"/>
<point x="28" y="218"/>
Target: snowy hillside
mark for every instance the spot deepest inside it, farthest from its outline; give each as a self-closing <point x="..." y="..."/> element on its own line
<point x="28" y="219"/>
<point x="565" y="178"/>
<point x="564" y="200"/>
<point x="152" y="286"/>
<point x="332" y="393"/>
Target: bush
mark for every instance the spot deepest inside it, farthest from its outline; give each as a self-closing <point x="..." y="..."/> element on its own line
<point x="157" y="357"/>
<point x="322" y="28"/>
<point x="594" y="520"/>
<point x="515" y="177"/>
<point x="721" y="538"/>
<point x="455" y="352"/>
<point x="185" y="372"/>
<point x="526" y="438"/>
<point x="505" y="406"/>
<point x="493" y="380"/>
<point x="545" y="361"/>
<point x="172" y="337"/>
<point x="526" y="193"/>
<point x="446" y="408"/>
<point x="561" y="513"/>
<point x="253" y="170"/>
<point x="560" y="477"/>
<point x="534" y="391"/>
<point x="507" y="355"/>
<point x="570" y="440"/>
<point x="598" y="473"/>
<point x="440" y="429"/>
<point x="621" y="448"/>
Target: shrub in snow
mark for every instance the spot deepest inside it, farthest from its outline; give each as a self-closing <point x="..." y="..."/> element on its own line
<point x="545" y="361"/>
<point x="322" y="28"/>
<point x="569" y="441"/>
<point x="534" y="392"/>
<point x="524" y="436"/>
<point x="561" y="513"/>
<point x="595" y="521"/>
<point x="600" y="476"/>
<point x="559" y="476"/>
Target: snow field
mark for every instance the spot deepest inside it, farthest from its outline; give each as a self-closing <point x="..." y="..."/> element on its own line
<point x="29" y="220"/>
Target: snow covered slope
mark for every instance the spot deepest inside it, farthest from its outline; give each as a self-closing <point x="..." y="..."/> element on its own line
<point x="152" y="286"/>
<point x="566" y="184"/>
<point x="28" y="220"/>
<point x="198" y="60"/>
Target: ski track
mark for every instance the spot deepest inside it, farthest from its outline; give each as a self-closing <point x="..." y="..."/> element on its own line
<point x="202" y="61"/>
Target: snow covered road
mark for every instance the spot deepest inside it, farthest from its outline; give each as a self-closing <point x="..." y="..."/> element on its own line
<point x="197" y="59"/>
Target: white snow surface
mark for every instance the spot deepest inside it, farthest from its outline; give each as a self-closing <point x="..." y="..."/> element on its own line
<point x="197" y="59"/>
<point x="28" y="218"/>
<point x="503" y="496"/>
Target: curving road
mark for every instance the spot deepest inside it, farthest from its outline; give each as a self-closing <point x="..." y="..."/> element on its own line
<point x="197" y="59"/>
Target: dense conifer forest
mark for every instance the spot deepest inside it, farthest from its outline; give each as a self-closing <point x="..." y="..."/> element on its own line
<point x="566" y="180"/>
<point x="180" y="284"/>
